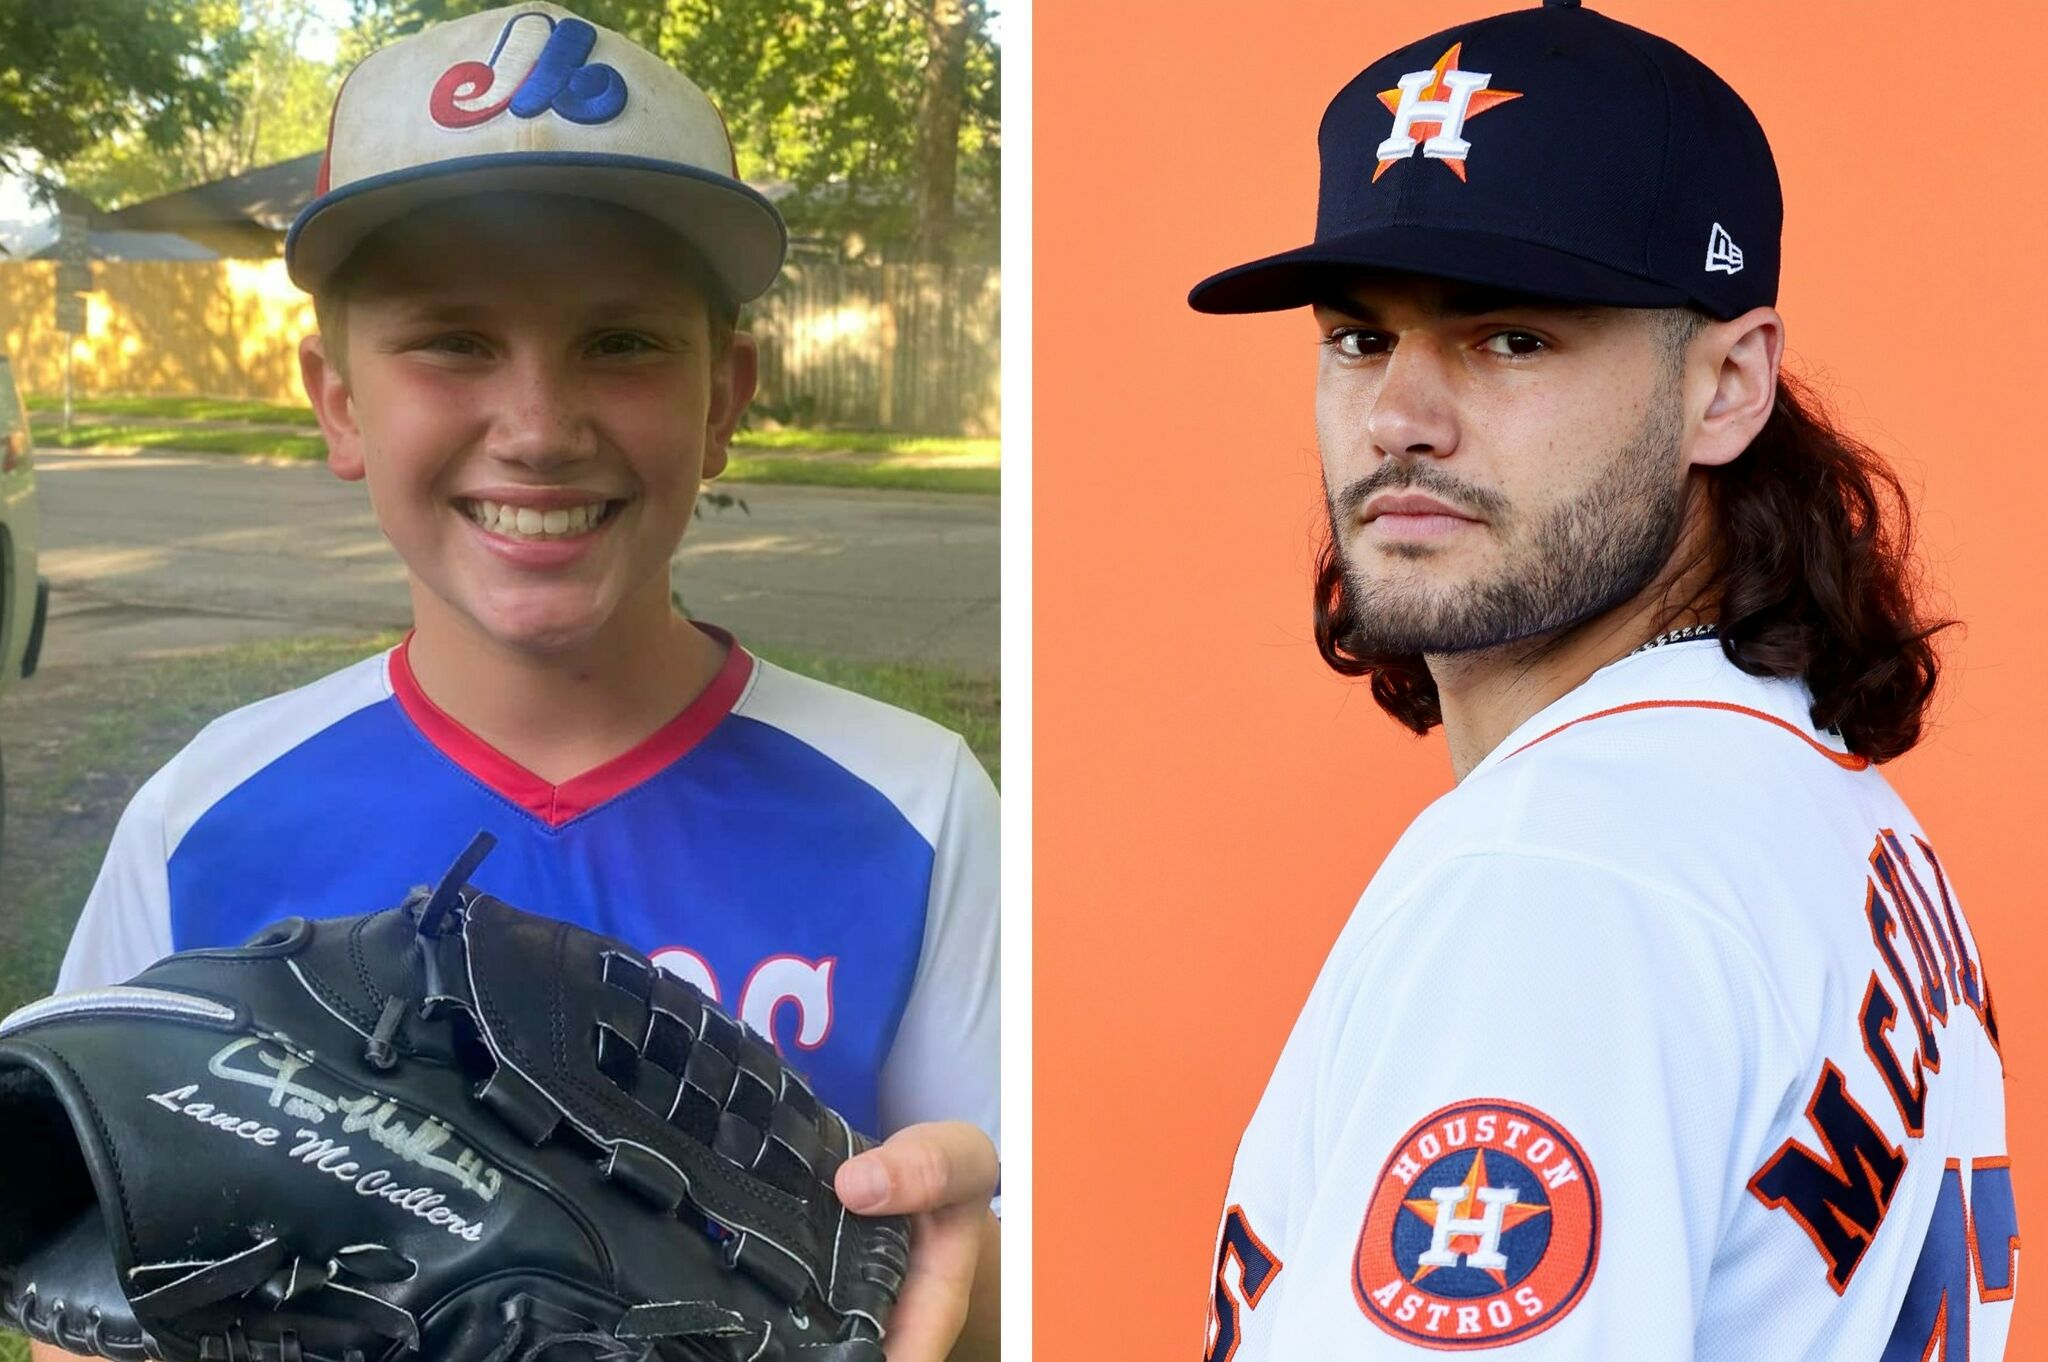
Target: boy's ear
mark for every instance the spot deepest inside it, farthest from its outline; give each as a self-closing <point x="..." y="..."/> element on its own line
<point x="734" y="376"/>
<point x="327" y="390"/>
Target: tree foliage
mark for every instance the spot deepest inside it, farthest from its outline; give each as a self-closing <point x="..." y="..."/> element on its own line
<point x="882" y="114"/>
<point x="76" y="72"/>
<point x="273" y="106"/>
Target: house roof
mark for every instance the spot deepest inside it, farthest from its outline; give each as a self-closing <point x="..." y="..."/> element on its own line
<point x="268" y="196"/>
<point x="117" y="245"/>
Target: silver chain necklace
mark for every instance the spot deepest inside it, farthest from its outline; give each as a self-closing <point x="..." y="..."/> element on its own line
<point x="1690" y="631"/>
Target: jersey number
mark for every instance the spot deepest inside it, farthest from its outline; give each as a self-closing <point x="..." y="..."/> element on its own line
<point x="1934" y="1321"/>
<point x="1256" y="1269"/>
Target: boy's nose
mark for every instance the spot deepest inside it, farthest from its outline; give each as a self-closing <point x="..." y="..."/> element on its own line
<point x="543" y="418"/>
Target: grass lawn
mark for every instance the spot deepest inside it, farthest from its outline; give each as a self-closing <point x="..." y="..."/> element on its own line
<point x="199" y="439"/>
<point x="180" y="408"/>
<point x="78" y="743"/>
<point x="875" y="460"/>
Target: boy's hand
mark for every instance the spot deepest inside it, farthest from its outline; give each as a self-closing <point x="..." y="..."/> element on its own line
<point x="941" y="1174"/>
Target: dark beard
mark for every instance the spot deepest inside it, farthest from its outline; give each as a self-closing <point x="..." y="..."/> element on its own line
<point x="1587" y="556"/>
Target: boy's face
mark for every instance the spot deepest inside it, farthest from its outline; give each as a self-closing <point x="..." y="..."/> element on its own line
<point x="531" y="393"/>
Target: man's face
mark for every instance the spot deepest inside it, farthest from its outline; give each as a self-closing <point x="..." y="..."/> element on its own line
<point x="1496" y="469"/>
<point x="533" y="398"/>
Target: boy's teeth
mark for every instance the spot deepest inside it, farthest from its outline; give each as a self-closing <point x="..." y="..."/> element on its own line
<point x="526" y="522"/>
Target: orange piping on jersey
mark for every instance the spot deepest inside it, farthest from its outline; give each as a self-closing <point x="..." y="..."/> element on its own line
<point x="1848" y="761"/>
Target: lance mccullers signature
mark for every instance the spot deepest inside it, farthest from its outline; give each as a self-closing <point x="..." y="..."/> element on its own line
<point x="286" y="1082"/>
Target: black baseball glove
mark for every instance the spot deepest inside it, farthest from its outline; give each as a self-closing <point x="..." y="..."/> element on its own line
<point x="451" y="1129"/>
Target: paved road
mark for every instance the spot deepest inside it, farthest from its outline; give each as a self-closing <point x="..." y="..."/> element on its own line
<point x="155" y="553"/>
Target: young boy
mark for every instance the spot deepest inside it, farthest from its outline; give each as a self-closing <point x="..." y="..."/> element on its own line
<point x="527" y="253"/>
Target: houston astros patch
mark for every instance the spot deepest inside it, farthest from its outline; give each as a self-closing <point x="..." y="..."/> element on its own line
<point x="1483" y="1229"/>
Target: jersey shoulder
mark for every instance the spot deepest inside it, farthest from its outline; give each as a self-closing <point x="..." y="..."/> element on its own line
<point x="238" y="745"/>
<point x="910" y="760"/>
<point x="1697" y="797"/>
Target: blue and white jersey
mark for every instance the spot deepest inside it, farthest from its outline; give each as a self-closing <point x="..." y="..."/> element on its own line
<point x="1662" y="1036"/>
<point x="822" y="864"/>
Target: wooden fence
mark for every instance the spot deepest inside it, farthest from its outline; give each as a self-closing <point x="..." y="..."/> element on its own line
<point x="892" y="347"/>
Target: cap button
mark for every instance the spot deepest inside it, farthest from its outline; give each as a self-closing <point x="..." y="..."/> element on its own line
<point x="1560" y="4"/>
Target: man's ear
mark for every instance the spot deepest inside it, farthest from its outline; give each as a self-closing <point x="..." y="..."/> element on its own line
<point x="734" y="377"/>
<point x="1732" y="371"/>
<point x="327" y="389"/>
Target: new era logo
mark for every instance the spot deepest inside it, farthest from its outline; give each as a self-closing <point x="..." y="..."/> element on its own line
<point x="1722" y="252"/>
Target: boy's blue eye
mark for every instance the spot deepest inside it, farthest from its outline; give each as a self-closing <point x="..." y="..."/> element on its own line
<point x="622" y="343"/>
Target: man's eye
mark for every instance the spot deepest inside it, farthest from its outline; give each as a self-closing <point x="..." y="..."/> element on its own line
<point x="1515" y="343"/>
<point x="453" y="345"/>
<point x="1356" y="343"/>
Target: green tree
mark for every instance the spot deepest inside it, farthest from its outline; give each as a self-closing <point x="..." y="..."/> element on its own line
<point x="74" y="72"/>
<point x="273" y="107"/>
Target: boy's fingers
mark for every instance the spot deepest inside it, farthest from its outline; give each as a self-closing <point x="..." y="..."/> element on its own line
<point x="932" y="1307"/>
<point x="921" y="1168"/>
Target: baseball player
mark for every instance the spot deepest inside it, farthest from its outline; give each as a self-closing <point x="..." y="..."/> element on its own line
<point x="527" y="253"/>
<point x="1664" y="1034"/>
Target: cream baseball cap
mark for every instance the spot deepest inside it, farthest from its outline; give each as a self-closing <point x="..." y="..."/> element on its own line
<point x="532" y="98"/>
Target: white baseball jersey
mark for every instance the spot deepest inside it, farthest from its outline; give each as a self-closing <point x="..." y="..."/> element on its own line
<point x="1663" y="1036"/>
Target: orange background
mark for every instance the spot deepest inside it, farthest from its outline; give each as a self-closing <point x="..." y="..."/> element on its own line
<point x="1210" y="799"/>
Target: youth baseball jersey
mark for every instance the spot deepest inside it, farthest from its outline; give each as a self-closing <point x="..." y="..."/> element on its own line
<point x="822" y="864"/>
<point x="1662" y="1036"/>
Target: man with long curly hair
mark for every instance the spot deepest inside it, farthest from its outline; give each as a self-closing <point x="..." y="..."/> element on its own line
<point x="1663" y="1035"/>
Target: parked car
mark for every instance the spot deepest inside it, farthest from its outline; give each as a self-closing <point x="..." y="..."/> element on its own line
<point x="24" y="596"/>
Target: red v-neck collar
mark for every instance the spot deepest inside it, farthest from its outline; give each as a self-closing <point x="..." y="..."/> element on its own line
<point x="555" y="805"/>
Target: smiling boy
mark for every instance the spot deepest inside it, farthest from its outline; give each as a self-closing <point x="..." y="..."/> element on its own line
<point x="527" y="256"/>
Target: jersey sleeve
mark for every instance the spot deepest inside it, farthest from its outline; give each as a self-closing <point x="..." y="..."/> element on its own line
<point x="945" y="1061"/>
<point x="1537" y="1088"/>
<point x="126" y="922"/>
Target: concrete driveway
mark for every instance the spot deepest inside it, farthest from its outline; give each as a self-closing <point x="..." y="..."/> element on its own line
<point x="156" y="553"/>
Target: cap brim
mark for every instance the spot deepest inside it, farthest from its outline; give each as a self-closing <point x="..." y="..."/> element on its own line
<point x="1322" y="271"/>
<point x="737" y="231"/>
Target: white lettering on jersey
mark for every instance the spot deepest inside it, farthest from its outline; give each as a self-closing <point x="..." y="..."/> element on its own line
<point x="790" y="979"/>
<point x="778" y="980"/>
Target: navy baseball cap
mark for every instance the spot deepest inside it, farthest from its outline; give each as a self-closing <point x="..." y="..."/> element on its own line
<point x="1554" y="152"/>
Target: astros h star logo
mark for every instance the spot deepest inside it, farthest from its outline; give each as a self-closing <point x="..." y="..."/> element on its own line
<point x="1482" y="1229"/>
<point x="1430" y="108"/>
<point x="1449" y="1220"/>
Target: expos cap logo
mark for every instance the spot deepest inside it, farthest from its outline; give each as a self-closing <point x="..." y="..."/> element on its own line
<point x="538" y="64"/>
<point x="1483" y="1229"/>
<point x="1430" y="109"/>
